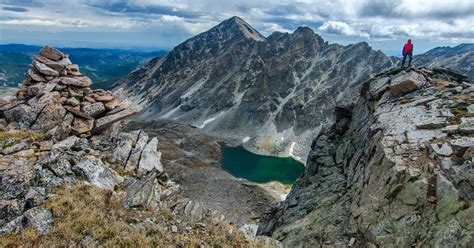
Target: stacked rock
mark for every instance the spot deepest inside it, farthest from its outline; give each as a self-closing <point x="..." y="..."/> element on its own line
<point x="56" y="97"/>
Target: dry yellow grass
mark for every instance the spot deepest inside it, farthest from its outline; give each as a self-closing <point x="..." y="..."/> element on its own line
<point x="82" y="211"/>
<point x="11" y="136"/>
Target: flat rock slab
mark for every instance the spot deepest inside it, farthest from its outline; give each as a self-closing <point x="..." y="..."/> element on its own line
<point x="44" y="69"/>
<point x="77" y="81"/>
<point x="51" y="53"/>
<point x="109" y="119"/>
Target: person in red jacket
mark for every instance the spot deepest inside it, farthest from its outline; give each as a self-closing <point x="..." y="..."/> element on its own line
<point x="407" y="51"/>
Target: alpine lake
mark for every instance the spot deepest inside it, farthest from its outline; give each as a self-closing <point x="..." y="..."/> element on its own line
<point x="259" y="168"/>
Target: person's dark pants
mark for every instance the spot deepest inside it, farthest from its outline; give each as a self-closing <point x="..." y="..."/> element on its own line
<point x="409" y="59"/>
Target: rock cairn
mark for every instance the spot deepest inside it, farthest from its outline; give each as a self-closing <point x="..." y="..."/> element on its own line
<point x="56" y="98"/>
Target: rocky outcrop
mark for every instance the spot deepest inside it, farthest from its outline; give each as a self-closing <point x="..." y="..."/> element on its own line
<point x="50" y="137"/>
<point x="396" y="170"/>
<point x="56" y="98"/>
<point x="270" y="92"/>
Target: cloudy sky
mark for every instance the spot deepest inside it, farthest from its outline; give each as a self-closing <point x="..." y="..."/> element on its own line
<point x="162" y="24"/>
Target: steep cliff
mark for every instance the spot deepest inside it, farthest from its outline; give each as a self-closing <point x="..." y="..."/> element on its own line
<point x="233" y="82"/>
<point x="395" y="170"/>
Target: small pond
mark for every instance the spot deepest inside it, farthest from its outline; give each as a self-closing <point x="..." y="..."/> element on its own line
<point x="258" y="168"/>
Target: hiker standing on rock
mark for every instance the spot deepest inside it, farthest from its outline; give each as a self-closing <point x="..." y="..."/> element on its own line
<point x="407" y="51"/>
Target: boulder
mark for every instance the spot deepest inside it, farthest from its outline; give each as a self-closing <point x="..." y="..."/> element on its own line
<point x="442" y="149"/>
<point x="111" y="118"/>
<point x="22" y="114"/>
<point x="150" y="158"/>
<point x="39" y="218"/>
<point x="50" y="116"/>
<point x="51" y="53"/>
<point x="95" y="109"/>
<point x="76" y="81"/>
<point x="44" y="69"/>
<point x="94" y="170"/>
<point x="406" y="82"/>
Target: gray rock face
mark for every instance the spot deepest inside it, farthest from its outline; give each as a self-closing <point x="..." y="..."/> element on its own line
<point x="382" y="180"/>
<point x="136" y="153"/>
<point x="273" y="90"/>
<point x="124" y="147"/>
<point x="150" y="158"/>
<point x="94" y="170"/>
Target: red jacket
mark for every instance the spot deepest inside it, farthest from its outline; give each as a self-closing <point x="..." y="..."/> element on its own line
<point x="408" y="48"/>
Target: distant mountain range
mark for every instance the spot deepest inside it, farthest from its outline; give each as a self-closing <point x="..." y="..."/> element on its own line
<point x="103" y="66"/>
<point x="270" y="93"/>
<point x="460" y="57"/>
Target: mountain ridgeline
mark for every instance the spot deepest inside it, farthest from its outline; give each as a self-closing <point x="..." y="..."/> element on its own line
<point x="270" y="93"/>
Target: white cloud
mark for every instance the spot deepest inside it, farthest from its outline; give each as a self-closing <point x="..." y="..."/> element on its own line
<point x="335" y="27"/>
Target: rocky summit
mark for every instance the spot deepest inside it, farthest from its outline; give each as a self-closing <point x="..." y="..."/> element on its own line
<point x="70" y="177"/>
<point x="395" y="170"/>
<point x="271" y="92"/>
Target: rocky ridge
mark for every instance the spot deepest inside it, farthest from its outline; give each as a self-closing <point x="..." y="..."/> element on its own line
<point x="61" y="144"/>
<point x="395" y="170"/>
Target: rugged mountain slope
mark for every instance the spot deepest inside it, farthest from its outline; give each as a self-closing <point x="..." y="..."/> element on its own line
<point x="460" y="57"/>
<point x="233" y="82"/>
<point x="396" y="170"/>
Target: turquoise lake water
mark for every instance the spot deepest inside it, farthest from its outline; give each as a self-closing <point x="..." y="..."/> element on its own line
<point x="258" y="168"/>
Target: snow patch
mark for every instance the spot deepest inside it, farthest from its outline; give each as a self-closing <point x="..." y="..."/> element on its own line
<point x="291" y="152"/>
<point x="204" y="123"/>
<point x="246" y="139"/>
<point x="283" y="197"/>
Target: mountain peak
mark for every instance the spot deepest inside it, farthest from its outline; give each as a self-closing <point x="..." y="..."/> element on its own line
<point x="237" y="23"/>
